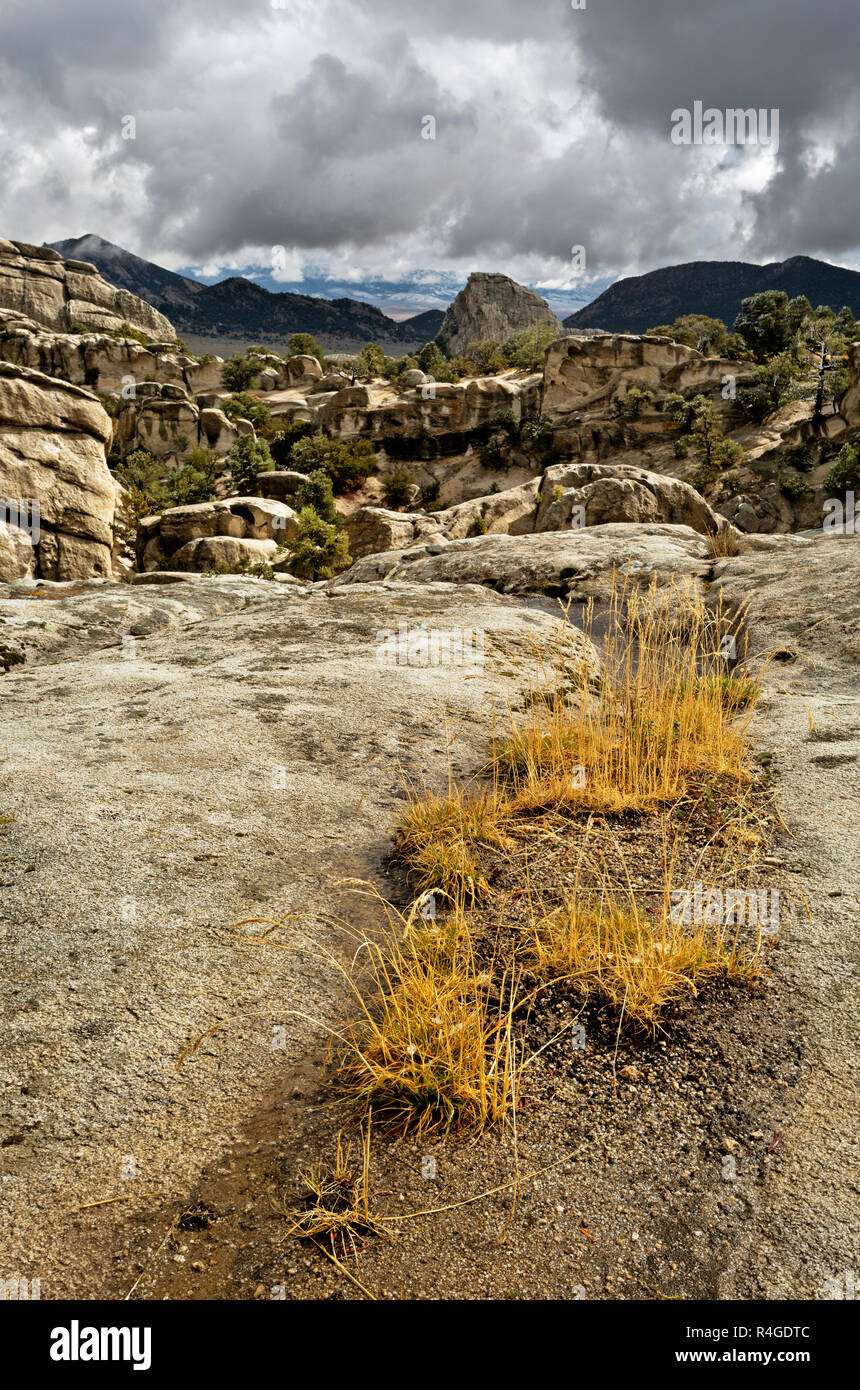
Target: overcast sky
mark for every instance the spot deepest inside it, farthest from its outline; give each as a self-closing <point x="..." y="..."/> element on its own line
<point x="300" y="126"/>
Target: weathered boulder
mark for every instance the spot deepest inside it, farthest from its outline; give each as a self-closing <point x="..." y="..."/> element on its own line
<point x="280" y="484"/>
<point x="165" y="428"/>
<point x="37" y="282"/>
<point x="593" y="494"/>
<point x="17" y="556"/>
<point x="169" y="540"/>
<point x="573" y="564"/>
<point x="491" y="306"/>
<point x="332" y="381"/>
<point x="217" y="432"/>
<point x="372" y="530"/>
<point x="53" y="440"/>
<point x="299" y="371"/>
<point x="566" y="496"/>
<point x="209" y="552"/>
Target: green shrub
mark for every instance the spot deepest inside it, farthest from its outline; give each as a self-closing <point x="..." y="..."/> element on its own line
<point x="795" y="487"/>
<point x="714" y="451"/>
<point x="240" y="372"/>
<point x="319" y="549"/>
<point x="396" y="487"/>
<point x="248" y="458"/>
<point x="243" y="406"/>
<point x="306" y="345"/>
<point x="348" y="463"/>
<point x="486" y="356"/>
<point x="372" y="362"/>
<point x="316" y="492"/>
<point x="845" y="473"/>
<point x="634" y="402"/>
<point x="145" y="493"/>
<point x="195" y="481"/>
<point x="431" y="360"/>
<point x="527" y="349"/>
<point x="289" y="432"/>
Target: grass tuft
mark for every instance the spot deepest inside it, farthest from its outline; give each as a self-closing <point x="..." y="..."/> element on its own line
<point x="625" y="958"/>
<point x="666" y="713"/>
<point x="439" y="835"/>
<point x="433" y="1046"/>
<point x="336" y="1201"/>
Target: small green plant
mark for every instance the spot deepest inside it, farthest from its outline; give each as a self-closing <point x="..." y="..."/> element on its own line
<point x="320" y="549"/>
<point x="795" y="487"/>
<point x="845" y="472"/>
<point x="248" y="458"/>
<point x="634" y="402"/>
<point x="243" y="406"/>
<point x="125" y="330"/>
<point x="397" y="487"/>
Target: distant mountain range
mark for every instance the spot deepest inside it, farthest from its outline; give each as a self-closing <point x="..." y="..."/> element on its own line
<point x="238" y="310"/>
<point x="715" y="288"/>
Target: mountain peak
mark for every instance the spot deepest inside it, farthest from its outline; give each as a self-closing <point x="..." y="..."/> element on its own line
<point x="715" y="288"/>
<point x="491" y="305"/>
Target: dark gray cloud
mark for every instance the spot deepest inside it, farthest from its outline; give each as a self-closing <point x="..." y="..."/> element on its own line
<point x="260" y="125"/>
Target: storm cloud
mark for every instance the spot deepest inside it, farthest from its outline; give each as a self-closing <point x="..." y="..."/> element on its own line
<point x="304" y="126"/>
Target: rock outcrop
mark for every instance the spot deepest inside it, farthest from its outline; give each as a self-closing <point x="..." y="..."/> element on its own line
<point x="53" y="441"/>
<point x="491" y="306"/>
<point x="588" y="374"/>
<point x="208" y="534"/>
<point x="568" y="496"/>
<point x="64" y="294"/>
<point x="575" y="565"/>
<point x="103" y="363"/>
<point x="588" y="494"/>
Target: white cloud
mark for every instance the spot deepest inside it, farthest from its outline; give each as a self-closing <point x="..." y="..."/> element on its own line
<point x="261" y="127"/>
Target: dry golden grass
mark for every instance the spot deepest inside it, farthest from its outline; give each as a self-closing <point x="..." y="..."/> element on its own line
<point x="724" y="545"/>
<point x="636" y="963"/>
<point x="336" y="1202"/>
<point x="433" y="1043"/>
<point x="433" y="1046"/>
<point x="665" y="713"/>
<point x="439" y="834"/>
